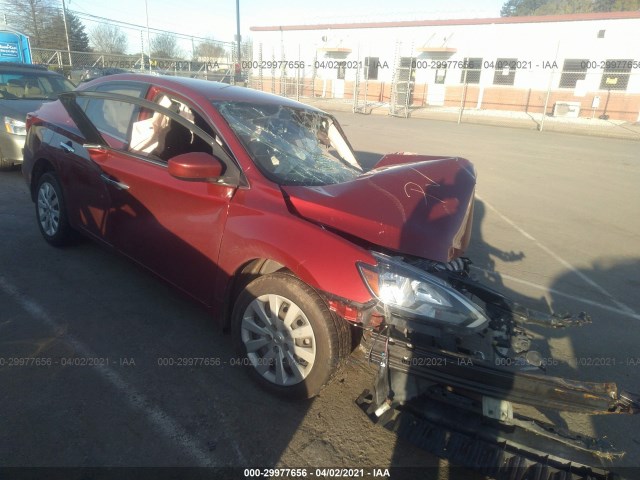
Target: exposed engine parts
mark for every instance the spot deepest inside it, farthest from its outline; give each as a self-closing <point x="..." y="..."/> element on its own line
<point x="451" y="388"/>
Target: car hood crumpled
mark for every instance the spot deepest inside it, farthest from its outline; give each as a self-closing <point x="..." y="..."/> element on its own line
<point x="410" y="204"/>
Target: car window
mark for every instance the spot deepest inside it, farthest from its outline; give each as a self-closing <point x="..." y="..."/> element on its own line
<point x="32" y="85"/>
<point x="158" y="137"/>
<point x="292" y="146"/>
<point x="133" y="90"/>
<point x="111" y="118"/>
<point x="144" y="131"/>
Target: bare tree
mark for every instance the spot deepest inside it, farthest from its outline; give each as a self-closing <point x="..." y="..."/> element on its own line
<point x="107" y="38"/>
<point x="164" y="45"/>
<point x="209" y="51"/>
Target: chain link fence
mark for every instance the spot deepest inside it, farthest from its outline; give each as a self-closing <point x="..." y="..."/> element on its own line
<point x="84" y="66"/>
<point x="75" y="42"/>
<point x="575" y="95"/>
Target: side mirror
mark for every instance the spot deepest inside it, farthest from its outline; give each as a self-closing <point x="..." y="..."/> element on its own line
<point x="195" y="167"/>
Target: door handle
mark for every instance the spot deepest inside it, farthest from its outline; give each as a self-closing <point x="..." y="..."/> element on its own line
<point x="115" y="183"/>
<point x="67" y="147"/>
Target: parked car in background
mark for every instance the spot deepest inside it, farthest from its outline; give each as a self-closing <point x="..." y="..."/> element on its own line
<point x="79" y="75"/>
<point x="23" y="89"/>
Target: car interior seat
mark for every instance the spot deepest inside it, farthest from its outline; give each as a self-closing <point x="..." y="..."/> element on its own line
<point x="31" y="90"/>
<point x="178" y="140"/>
<point x="15" y="87"/>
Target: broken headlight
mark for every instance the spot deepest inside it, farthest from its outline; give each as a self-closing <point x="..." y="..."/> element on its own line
<point x="413" y="293"/>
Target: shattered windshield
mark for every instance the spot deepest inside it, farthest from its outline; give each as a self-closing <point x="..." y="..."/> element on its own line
<point x="292" y="146"/>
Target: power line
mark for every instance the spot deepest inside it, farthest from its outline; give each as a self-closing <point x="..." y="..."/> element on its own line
<point x="96" y="18"/>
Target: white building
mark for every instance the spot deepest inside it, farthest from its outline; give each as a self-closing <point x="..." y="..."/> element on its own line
<point x="581" y="64"/>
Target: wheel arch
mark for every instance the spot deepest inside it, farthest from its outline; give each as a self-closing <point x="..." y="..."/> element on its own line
<point x="40" y="167"/>
<point x="247" y="272"/>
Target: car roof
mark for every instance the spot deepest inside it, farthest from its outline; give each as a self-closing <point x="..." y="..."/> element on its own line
<point x="25" y="68"/>
<point x="211" y="90"/>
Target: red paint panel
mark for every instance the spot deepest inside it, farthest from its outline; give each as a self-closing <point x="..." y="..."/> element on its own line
<point x="260" y="226"/>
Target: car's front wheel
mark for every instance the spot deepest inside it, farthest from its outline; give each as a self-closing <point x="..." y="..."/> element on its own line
<point x="51" y="211"/>
<point x="292" y="342"/>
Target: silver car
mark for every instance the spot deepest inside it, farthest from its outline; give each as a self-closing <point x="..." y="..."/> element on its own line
<point x="23" y="89"/>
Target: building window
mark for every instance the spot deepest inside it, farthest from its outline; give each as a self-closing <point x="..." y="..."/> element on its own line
<point x="574" y="69"/>
<point x="441" y="75"/>
<point x="407" y="70"/>
<point x="471" y="74"/>
<point x="342" y="68"/>
<point x="505" y="73"/>
<point x="371" y="67"/>
<point x="616" y="74"/>
<point x="601" y="33"/>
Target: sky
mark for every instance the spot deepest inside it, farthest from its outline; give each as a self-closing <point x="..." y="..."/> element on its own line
<point x="217" y="18"/>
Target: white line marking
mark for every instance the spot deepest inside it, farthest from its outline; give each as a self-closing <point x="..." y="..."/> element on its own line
<point x="562" y="294"/>
<point x="562" y="261"/>
<point x="161" y="420"/>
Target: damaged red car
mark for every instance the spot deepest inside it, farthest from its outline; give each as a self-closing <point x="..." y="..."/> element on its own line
<point x="256" y="206"/>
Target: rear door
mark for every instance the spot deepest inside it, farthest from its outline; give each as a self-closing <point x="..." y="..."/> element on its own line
<point x="88" y="196"/>
<point x="171" y="226"/>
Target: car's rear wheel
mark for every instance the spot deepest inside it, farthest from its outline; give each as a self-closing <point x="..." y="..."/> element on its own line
<point x="292" y="342"/>
<point x="51" y="211"/>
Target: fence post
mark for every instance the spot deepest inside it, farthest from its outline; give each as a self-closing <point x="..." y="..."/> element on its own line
<point x="141" y="51"/>
<point x="298" y="77"/>
<point x="66" y="31"/>
<point x="463" y="96"/>
<point x="546" y="101"/>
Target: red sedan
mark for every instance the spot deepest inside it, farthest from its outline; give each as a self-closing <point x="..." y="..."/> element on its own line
<point x="256" y="206"/>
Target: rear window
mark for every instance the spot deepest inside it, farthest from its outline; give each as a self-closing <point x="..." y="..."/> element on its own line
<point x="32" y="86"/>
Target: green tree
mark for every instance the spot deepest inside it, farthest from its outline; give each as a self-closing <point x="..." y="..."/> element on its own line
<point x="78" y="37"/>
<point x="43" y="22"/>
<point x="519" y="8"/>
<point x="625" y="5"/>
<point x="56" y="37"/>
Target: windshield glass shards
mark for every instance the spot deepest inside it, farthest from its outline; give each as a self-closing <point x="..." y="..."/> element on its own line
<point x="292" y="146"/>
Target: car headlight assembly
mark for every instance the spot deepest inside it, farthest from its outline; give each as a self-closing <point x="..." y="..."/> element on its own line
<point x="15" y="126"/>
<point x="414" y="294"/>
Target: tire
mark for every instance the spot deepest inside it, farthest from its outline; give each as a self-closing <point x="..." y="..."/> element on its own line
<point x="51" y="212"/>
<point x="5" y="166"/>
<point x="296" y="352"/>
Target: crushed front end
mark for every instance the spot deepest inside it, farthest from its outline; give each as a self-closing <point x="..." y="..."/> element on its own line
<point x="455" y="356"/>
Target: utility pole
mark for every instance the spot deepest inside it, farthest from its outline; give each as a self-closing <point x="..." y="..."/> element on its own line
<point x="239" y="59"/>
<point x="66" y="31"/>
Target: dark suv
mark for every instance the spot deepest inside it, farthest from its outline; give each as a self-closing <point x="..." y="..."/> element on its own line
<point x="23" y="89"/>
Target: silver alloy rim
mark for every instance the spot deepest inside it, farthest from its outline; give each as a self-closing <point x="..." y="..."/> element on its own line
<point x="279" y="340"/>
<point x="48" y="209"/>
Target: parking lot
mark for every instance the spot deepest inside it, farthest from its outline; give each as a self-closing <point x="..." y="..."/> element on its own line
<point x="557" y="226"/>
